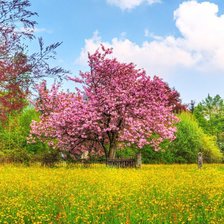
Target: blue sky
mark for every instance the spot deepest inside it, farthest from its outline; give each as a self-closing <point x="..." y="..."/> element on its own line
<point x="180" y="41"/>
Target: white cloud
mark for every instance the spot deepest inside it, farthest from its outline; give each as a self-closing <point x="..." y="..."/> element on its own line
<point x="155" y="57"/>
<point x="152" y="35"/>
<point x="146" y="33"/>
<point x="200" y="46"/>
<point x="130" y="4"/>
<point x="202" y="30"/>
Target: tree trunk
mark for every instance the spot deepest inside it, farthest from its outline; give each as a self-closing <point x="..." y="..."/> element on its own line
<point x="112" y="151"/>
<point x="139" y="160"/>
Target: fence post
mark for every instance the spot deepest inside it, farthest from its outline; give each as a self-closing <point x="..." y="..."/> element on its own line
<point x="200" y="160"/>
<point x="139" y="160"/>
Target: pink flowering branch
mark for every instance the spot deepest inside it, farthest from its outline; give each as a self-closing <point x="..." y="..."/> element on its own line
<point x="118" y="104"/>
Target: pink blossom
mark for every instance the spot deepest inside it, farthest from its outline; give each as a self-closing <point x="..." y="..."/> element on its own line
<point x="118" y="103"/>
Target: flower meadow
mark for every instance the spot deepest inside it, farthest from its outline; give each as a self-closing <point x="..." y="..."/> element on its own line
<point x="100" y="194"/>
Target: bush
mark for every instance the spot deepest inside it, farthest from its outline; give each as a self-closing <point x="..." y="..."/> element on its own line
<point x="211" y="152"/>
<point x="15" y="156"/>
<point x="149" y="155"/>
<point x="190" y="139"/>
<point x="13" y="137"/>
<point x="50" y="158"/>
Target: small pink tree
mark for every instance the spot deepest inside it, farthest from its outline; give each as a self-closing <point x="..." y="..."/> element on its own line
<point x="117" y="104"/>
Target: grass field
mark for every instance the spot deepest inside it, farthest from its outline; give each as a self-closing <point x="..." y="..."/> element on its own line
<point x="153" y="194"/>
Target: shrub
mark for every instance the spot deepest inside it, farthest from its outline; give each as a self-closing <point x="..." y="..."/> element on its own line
<point x="13" y="137"/>
<point x="190" y="139"/>
<point x="16" y="155"/>
<point x="50" y="158"/>
<point x="210" y="149"/>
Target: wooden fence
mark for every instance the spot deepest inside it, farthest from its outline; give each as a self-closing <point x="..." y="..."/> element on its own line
<point x="122" y="163"/>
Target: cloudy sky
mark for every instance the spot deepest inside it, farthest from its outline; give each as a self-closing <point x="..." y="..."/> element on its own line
<point x="180" y="41"/>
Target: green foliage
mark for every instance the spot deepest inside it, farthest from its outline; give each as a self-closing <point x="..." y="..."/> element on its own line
<point x="149" y="155"/>
<point x="18" y="156"/>
<point x="50" y="158"/>
<point x="13" y="134"/>
<point x="187" y="143"/>
<point x="13" y="137"/>
<point x="183" y="149"/>
<point x="127" y="152"/>
<point x="211" y="151"/>
<point x="210" y="116"/>
<point x="190" y="139"/>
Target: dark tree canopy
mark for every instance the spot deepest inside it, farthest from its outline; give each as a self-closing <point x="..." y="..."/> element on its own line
<point x="175" y="100"/>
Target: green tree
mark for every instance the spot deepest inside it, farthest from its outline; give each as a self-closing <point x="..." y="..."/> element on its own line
<point x="190" y="139"/>
<point x="14" y="134"/>
<point x="210" y="116"/>
<point x="187" y="143"/>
